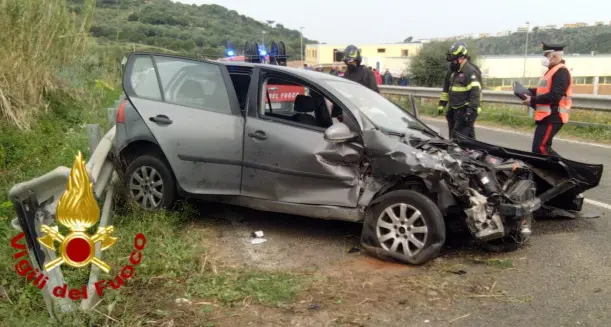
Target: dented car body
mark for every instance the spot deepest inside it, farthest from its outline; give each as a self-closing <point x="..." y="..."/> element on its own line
<point x="209" y="130"/>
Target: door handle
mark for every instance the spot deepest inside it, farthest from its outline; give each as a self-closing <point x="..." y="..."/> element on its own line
<point x="161" y="119"/>
<point x="259" y="135"/>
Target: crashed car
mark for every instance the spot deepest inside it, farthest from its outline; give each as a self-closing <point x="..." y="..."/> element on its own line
<point x="211" y="130"/>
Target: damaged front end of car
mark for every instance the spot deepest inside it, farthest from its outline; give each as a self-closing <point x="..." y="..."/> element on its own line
<point x="494" y="197"/>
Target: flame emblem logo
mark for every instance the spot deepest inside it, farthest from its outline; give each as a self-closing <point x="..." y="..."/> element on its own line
<point x="77" y="210"/>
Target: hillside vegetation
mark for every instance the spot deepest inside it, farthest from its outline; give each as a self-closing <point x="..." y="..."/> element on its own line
<point x="205" y="30"/>
<point x="582" y="40"/>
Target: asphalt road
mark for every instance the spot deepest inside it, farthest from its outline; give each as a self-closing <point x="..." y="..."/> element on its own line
<point x="562" y="278"/>
<point x="577" y="151"/>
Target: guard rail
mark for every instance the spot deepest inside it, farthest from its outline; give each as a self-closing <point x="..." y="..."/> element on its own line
<point x="580" y="101"/>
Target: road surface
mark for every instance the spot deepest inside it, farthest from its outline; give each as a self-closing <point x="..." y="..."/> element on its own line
<point x="578" y="151"/>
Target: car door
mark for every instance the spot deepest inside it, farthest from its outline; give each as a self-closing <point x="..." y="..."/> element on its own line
<point x="291" y="162"/>
<point x="192" y="111"/>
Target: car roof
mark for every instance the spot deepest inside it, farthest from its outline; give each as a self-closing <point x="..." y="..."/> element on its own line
<point x="299" y="72"/>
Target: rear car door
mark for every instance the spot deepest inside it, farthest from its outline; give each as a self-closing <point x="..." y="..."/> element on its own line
<point x="286" y="157"/>
<point x="192" y="110"/>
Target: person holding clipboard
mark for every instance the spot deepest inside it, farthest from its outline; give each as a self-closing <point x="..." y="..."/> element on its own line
<point x="551" y="99"/>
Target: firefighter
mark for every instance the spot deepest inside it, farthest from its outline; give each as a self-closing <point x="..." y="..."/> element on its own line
<point x="551" y="99"/>
<point x="461" y="92"/>
<point x="357" y="72"/>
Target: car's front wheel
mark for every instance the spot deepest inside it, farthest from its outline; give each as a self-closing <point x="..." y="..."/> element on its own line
<point x="150" y="183"/>
<point x="404" y="225"/>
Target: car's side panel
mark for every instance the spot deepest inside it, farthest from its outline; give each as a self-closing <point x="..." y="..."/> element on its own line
<point x="203" y="147"/>
<point x="295" y="164"/>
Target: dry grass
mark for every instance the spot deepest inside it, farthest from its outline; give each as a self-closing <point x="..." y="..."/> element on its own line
<point x="38" y="39"/>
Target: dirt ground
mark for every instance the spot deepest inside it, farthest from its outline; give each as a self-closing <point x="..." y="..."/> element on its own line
<point x="349" y="287"/>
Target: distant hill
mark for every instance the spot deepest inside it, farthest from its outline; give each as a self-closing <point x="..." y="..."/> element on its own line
<point x="194" y="29"/>
<point x="582" y="40"/>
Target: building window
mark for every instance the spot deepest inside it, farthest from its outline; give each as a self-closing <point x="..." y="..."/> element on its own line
<point x="404" y="53"/>
<point x="381" y="50"/>
<point x="338" y="55"/>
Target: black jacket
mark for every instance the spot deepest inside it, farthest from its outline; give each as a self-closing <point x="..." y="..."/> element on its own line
<point x="462" y="88"/>
<point x="363" y="76"/>
<point x="560" y="83"/>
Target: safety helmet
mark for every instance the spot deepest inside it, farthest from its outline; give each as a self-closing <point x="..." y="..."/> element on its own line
<point x="352" y="54"/>
<point x="457" y="50"/>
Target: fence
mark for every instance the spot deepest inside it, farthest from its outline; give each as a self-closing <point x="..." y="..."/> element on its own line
<point x="599" y="103"/>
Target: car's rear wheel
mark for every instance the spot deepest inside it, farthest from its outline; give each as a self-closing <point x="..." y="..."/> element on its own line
<point x="404" y="225"/>
<point x="150" y="183"/>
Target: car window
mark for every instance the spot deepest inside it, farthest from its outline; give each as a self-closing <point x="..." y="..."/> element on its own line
<point x="295" y="103"/>
<point x="382" y="112"/>
<point x="193" y="84"/>
<point x="144" y="80"/>
<point x="279" y="97"/>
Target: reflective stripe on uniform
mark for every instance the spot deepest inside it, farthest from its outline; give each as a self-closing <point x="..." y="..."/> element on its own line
<point x="466" y="88"/>
<point x="444" y="96"/>
<point x="548" y="109"/>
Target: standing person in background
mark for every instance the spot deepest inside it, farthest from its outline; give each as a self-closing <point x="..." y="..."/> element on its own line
<point x="305" y="66"/>
<point x="341" y="72"/>
<point x="388" y="80"/>
<point x="378" y="77"/>
<point x="403" y="81"/>
<point x="461" y="92"/>
<point x="357" y="72"/>
<point x="551" y="99"/>
<point x="333" y="71"/>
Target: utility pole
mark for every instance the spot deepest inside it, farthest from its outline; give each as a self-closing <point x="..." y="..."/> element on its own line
<point x="263" y="38"/>
<point x="301" y="36"/>
<point x="525" y="53"/>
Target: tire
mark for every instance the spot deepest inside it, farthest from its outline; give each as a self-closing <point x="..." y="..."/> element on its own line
<point x="160" y="180"/>
<point x="379" y="239"/>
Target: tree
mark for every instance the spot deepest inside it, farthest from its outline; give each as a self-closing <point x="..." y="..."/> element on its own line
<point x="429" y="67"/>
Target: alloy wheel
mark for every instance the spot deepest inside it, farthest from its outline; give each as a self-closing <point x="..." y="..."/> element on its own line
<point x="401" y="228"/>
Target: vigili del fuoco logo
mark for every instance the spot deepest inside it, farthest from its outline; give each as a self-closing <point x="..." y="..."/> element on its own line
<point x="77" y="210"/>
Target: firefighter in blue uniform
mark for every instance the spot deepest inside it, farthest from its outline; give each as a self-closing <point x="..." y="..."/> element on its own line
<point x="461" y="92"/>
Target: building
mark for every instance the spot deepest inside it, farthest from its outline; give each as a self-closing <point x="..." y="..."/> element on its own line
<point x="599" y="23"/>
<point x="522" y="29"/>
<point x="327" y="55"/>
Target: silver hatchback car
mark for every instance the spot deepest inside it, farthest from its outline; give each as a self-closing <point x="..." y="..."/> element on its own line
<point x="294" y="141"/>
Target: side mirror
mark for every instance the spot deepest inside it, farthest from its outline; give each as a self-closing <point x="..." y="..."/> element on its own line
<point x="339" y="133"/>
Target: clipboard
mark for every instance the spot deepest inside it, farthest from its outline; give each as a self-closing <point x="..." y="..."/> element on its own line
<point x="521" y="92"/>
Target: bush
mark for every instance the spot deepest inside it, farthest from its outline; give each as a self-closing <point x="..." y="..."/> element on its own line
<point x="39" y="39"/>
<point x="429" y="67"/>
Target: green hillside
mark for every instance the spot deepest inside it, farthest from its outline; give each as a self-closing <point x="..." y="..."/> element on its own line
<point x="581" y="40"/>
<point x="194" y="29"/>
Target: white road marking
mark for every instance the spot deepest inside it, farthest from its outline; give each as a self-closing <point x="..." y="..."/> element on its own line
<point x="598" y="204"/>
<point x="604" y="146"/>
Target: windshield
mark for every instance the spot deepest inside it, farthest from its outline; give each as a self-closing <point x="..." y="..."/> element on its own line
<point x="383" y="113"/>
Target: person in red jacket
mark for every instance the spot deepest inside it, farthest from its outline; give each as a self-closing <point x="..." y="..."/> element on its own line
<point x="376" y="73"/>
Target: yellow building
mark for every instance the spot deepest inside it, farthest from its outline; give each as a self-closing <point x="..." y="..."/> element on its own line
<point x="329" y="54"/>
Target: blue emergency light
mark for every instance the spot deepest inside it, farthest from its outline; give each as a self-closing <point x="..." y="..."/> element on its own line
<point x="230" y="53"/>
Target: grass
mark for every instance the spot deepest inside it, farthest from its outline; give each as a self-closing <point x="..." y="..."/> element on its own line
<point x="516" y="117"/>
<point x="54" y="81"/>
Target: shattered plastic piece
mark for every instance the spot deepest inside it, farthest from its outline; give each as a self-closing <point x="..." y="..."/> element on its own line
<point x="257" y="234"/>
<point x="354" y="250"/>
<point x="258" y="240"/>
<point x="314" y="307"/>
<point x="182" y="300"/>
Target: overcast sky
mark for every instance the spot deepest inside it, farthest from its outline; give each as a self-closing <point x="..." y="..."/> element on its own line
<point x="381" y="21"/>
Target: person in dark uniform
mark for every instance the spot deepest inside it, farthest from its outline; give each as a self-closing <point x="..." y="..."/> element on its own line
<point x="551" y="99"/>
<point x="357" y="72"/>
<point x="461" y="92"/>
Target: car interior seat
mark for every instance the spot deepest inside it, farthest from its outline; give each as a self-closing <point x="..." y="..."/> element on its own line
<point x="190" y="92"/>
<point x="321" y="112"/>
<point x="304" y="106"/>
